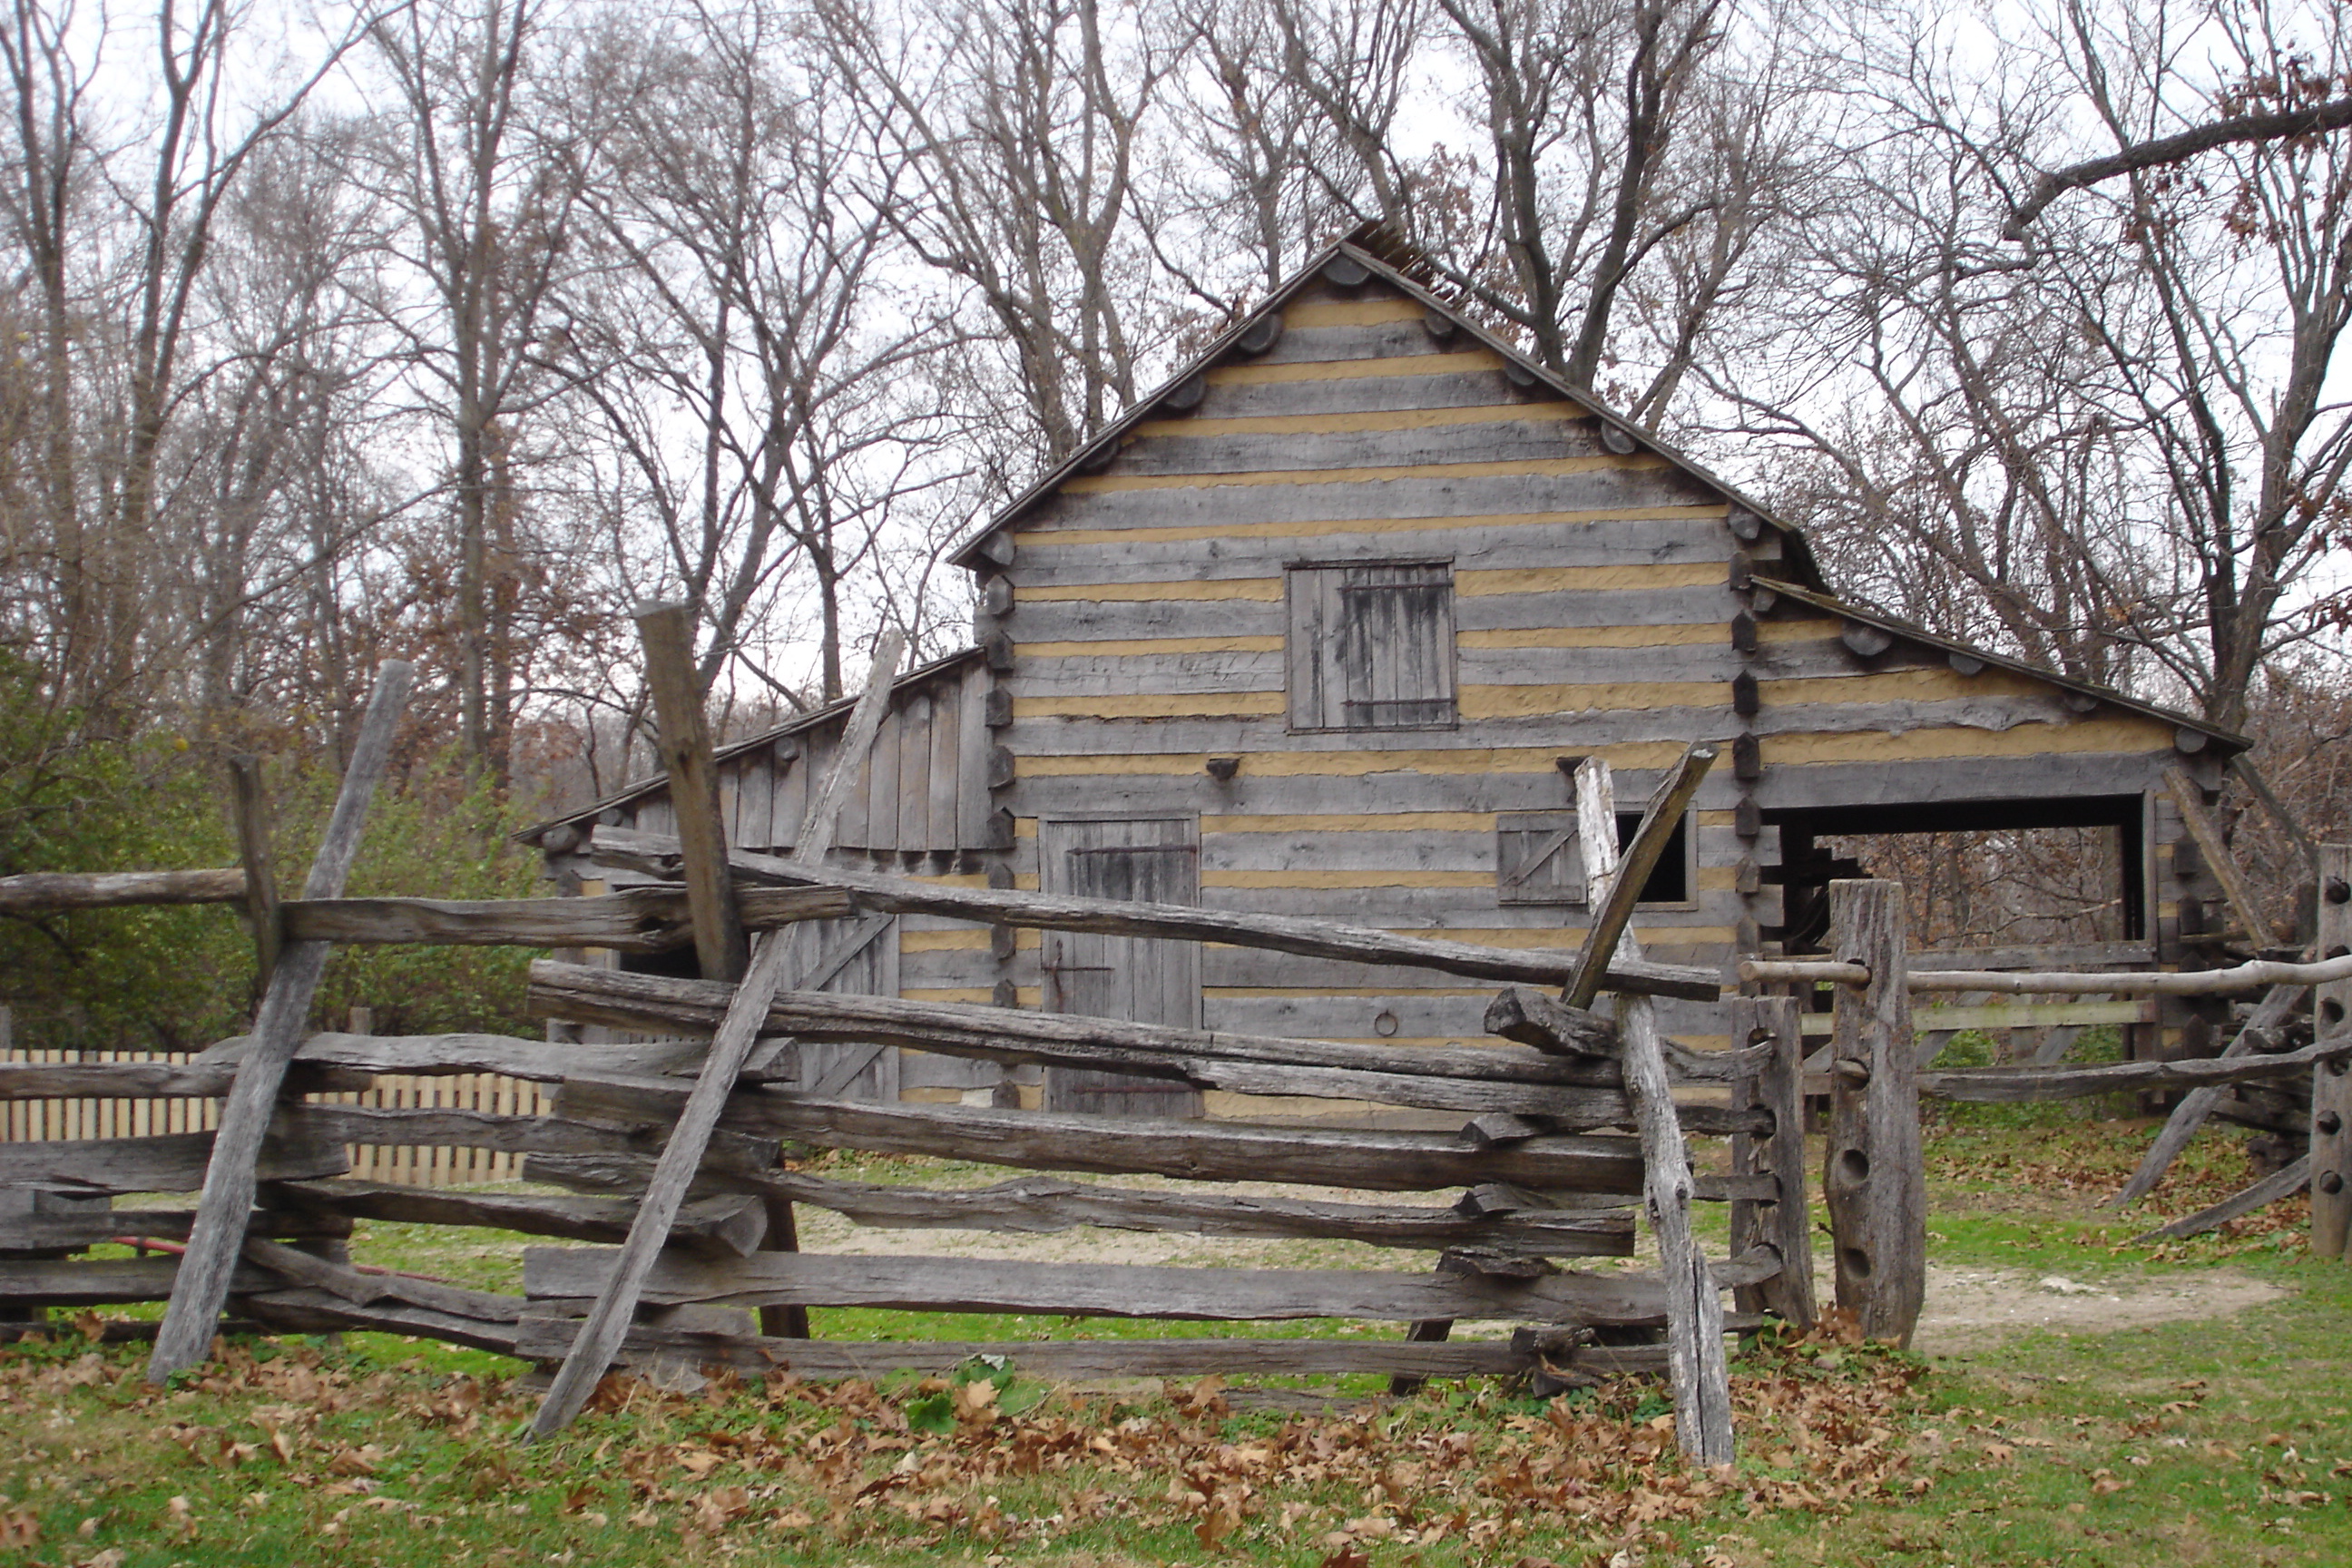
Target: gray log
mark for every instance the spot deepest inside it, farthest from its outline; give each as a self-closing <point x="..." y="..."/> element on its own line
<point x="258" y="863"/>
<point x="604" y="996"/>
<point x="639" y="919"/>
<point x="172" y="1162"/>
<point x="311" y="1310"/>
<point x="71" y="1232"/>
<point x="543" y="1336"/>
<point x="2331" y="1084"/>
<point x="2198" y="1104"/>
<point x="1239" y="1356"/>
<point x="403" y="1128"/>
<point x="1203" y="1150"/>
<point x="40" y="892"/>
<point x="1501" y="440"/>
<point x="2284" y="1182"/>
<point x="2251" y="977"/>
<point x="2191" y="799"/>
<point x="356" y="1059"/>
<point x="363" y="1287"/>
<point x="202" y="1285"/>
<point x="819" y="823"/>
<point x="1532" y="1018"/>
<point x="1123" y="1290"/>
<point x="1234" y="1063"/>
<point x="1503" y="1127"/>
<point x="1310" y="938"/>
<point x="1612" y="915"/>
<point x="100" y="1282"/>
<point x="731" y="1227"/>
<point x="739" y="1031"/>
<point x="682" y="735"/>
<point x="153" y="1081"/>
<point x="2010" y="1085"/>
<point x="1783" y="1221"/>
<point x="1876" y="1179"/>
<point x="1038" y="1205"/>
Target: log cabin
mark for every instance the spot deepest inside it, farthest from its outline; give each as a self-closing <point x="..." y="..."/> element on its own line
<point x="1323" y="626"/>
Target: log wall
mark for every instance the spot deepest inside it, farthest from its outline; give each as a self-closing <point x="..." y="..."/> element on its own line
<point x="1606" y="602"/>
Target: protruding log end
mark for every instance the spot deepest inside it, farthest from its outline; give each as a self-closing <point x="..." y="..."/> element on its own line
<point x="1261" y="335"/>
<point x="1527" y="1017"/>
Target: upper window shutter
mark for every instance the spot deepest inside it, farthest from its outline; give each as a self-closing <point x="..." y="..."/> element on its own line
<point x="1371" y="646"/>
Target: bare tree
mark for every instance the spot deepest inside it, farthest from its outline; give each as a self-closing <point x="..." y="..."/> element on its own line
<point x="1622" y="174"/>
<point x="475" y="165"/>
<point x="754" y="230"/>
<point x="1023" y="121"/>
<point x="114" y="239"/>
<point x="1281" y="138"/>
<point x="2120" y="440"/>
<point x="1619" y="135"/>
<point x="272" y="490"/>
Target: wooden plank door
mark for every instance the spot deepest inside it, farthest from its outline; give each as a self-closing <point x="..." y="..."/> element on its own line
<point x="1151" y="859"/>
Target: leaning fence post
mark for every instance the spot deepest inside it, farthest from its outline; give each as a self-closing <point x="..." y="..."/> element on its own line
<point x="745" y="1020"/>
<point x="1875" y="1181"/>
<point x="1695" y="1353"/>
<point x="2331" y="1083"/>
<point x="200" y="1288"/>
<point x="1784" y="1223"/>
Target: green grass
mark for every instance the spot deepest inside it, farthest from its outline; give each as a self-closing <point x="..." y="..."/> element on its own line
<point x="2217" y="1440"/>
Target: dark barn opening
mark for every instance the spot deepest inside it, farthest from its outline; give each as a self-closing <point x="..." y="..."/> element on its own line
<point x="1982" y="874"/>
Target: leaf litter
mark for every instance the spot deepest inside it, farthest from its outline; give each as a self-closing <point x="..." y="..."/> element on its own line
<point x="990" y="1459"/>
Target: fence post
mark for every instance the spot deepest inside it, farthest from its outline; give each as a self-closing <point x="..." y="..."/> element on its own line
<point x="1787" y="1225"/>
<point x="2331" y="1084"/>
<point x="1875" y="1181"/>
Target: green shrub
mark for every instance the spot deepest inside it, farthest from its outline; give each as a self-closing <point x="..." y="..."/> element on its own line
<point x="180" y="978"/>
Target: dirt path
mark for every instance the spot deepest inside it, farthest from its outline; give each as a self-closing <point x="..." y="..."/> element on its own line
<point x="1974" y="1308"/>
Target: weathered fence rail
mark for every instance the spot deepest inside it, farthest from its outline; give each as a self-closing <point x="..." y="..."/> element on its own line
<point x="1543" y="1168"/>
<point x="1541" y="1191"/>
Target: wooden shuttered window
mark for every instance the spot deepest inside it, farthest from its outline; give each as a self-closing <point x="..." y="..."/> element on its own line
<point x="1537" y="858"/>
<point x="1538" y="861"/>
<point x="1371" y="645"/>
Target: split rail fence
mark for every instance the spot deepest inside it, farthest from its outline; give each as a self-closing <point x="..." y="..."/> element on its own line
<point x="674" y="1149"/>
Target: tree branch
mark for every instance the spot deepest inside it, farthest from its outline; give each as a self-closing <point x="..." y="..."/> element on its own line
<point x="2333" y="115"/>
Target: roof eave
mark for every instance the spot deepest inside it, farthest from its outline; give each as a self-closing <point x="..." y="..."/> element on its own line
<point x="637" y="788"/>
<point x="1822" y="600"/>
<point x="966" y="555"/>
